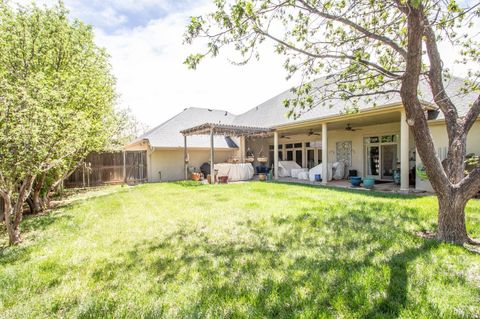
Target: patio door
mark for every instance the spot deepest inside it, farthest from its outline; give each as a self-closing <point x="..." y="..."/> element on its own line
<point x="373" y="161"/>
<point x="389" y="160"/>
<point x="381" y="156"/>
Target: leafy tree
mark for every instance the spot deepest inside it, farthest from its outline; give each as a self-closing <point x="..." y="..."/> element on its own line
<point x="56" y="100"/>
<point x="368" y="48"/>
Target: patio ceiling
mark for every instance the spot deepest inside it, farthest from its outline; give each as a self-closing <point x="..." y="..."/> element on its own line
<point x="226" y="130"/>
<point x="354" y="120"/>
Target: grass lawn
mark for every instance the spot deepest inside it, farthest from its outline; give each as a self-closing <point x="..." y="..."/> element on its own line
<point x="242" y="250"/>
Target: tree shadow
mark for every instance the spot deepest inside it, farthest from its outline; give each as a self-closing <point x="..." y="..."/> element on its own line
<point x="368" y="193"/>
<point x="282" y="266"/>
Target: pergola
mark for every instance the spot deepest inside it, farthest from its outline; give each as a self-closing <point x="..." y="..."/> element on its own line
<point x="230" y="130"/>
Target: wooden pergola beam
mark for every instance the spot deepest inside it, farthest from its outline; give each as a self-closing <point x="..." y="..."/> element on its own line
<point x="226" y="129"/>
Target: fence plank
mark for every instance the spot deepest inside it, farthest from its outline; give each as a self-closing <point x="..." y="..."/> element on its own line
<point x="107" y="168"/>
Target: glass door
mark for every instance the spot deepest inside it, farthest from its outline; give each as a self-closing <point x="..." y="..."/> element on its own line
<point x="389" y="160"/>
<point x="373" y="161"/>
<point x="299" y="157"/>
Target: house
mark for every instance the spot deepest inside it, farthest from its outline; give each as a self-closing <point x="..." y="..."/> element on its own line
<point x="374" y="141"/>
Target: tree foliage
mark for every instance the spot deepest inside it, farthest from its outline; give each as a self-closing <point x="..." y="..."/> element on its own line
<point x="56" y="98"/>
<point x="361" y="51"/>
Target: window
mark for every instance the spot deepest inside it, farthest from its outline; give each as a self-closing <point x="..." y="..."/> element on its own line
<point x="297" y="145"/>
<point x="288" y="145"/>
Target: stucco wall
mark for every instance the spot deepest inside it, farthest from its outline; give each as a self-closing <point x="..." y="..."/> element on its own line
<point x="440" y="139"/>
<point x="334" y="136"/>
<point x="170" y="162"/>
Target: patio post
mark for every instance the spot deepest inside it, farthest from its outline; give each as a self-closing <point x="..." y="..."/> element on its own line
<point x="275" y="154"/>
<point x="242" y="149"/>
<point x="324" y="154"/>
<point x="404" y="150"/>
<point x="212" y="170"/>
<point x="185" y="155"/>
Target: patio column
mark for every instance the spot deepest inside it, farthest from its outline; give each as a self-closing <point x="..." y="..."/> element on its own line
<point x="404" y="150"/>
<point x="242" y="149"/>
<point x="275" y="154"/>
<point x="185" y="163"/>
<point x="212" y="169"/>
<point x="324" y="154"/>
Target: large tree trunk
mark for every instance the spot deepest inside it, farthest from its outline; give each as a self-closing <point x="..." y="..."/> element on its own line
<point x="451" y="218"/>
<point x="14" y="210"/>
<point x="39" y="204"/>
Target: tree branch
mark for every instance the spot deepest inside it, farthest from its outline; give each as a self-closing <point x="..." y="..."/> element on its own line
<point x="331" y="56"/>
<point x="436" y="81"/>
<point x="470" y="185"/>
<point x="472" y="115"/>
<point x="359" y="28"/>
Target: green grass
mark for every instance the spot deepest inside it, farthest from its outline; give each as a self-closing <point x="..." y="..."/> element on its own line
<point x="242" y="250"/>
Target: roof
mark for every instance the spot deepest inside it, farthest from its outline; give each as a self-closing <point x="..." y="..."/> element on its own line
<point x="225" y="129"/>
<point x="272" y="112"/>
<point x="167" y="134"/>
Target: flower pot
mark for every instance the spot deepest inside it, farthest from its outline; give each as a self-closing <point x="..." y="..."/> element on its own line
<point x="262" y="159"/>
<point x="196" y="176"/>
<point x="262" y="177"/>
<point x="368" y="183"/>
<point x="318" y="177"/>
<point x="355" y="180"/>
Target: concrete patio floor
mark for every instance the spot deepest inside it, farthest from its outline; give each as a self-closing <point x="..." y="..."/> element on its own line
<point x="379" y="187"/>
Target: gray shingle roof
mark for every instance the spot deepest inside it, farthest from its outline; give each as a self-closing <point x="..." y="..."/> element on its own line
<point x="168" y="133"/>
<point x="273" y="113"/>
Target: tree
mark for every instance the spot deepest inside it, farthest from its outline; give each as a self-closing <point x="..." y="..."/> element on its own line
<point x="56" y="100"/>
<point x="368" y="48"/>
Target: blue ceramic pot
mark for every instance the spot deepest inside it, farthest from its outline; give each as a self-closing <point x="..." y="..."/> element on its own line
<point x="355" y="180"/>
<point x="318" y="177"/>
<point x="368" y="183"/>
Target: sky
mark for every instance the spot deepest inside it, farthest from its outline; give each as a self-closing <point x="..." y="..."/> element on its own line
<point x="144" y="39"/>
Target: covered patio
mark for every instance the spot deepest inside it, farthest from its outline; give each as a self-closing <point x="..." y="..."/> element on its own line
<point x="376" y="143"/>
<point x="227" y="130"/>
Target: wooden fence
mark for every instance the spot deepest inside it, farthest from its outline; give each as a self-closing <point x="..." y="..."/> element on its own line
<point x="108" y="168"/>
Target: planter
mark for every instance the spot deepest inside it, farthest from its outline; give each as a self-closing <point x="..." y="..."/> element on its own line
<point x="250" y="159"/>
<point x="368" y="183"/>
<point x="262" y="159"/>
<point x="355" y="180"/>
<point x="196" y="176"/>
<point x="262" y="177"/>
<point x="318" y="177"/>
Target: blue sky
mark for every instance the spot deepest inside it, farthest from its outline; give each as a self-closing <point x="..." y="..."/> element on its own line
<point x="113" y="16"/>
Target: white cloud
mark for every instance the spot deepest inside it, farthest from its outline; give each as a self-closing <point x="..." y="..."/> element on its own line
<point x="156" y="85"/>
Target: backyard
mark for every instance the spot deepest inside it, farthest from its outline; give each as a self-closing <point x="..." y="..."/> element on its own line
<point x="181" y="250"/>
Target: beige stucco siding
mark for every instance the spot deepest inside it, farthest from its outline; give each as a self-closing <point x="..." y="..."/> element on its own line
<point x="334" y="136"/>
<point x="440" y="138"/>
<point x="170" y="162"/>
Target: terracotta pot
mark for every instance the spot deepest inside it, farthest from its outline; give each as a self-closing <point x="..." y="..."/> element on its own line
<point x="262" y="177"/>
<point x="196" y="176"/>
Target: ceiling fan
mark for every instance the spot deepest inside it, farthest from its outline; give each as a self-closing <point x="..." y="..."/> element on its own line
<point x="350" y="128"/>
<point x="311" y="132"/>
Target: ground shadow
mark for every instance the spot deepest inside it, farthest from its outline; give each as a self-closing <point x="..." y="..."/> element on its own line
<point x="282" y="267"/>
